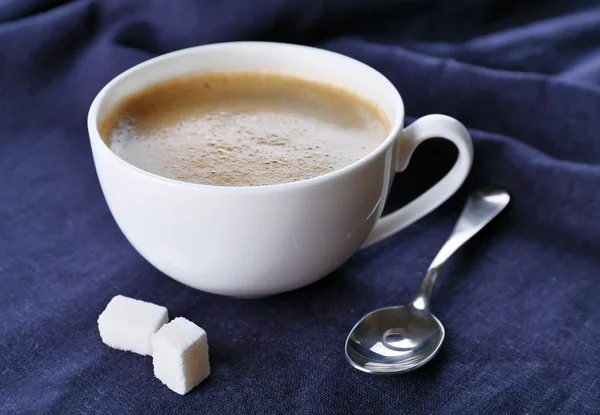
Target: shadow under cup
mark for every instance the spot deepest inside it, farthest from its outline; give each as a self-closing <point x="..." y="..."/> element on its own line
<point x="248" y="241"/>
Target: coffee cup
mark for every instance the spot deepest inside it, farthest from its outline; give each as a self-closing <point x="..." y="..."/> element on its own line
<point x="255" y="241"/>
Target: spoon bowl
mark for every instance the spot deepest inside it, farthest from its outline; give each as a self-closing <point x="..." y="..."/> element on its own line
<point x="414" y="338"/>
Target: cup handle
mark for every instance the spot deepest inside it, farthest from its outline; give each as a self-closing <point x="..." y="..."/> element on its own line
<point x="424" y="128"/>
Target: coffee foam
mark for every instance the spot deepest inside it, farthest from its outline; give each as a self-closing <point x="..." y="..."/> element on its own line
<point x="241" y="134"/>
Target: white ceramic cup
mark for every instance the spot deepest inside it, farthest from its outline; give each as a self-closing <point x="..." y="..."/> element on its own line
<point x="257" y="241"/>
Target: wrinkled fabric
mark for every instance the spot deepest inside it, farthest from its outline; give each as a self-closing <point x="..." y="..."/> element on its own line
<point x="520" y="303"/>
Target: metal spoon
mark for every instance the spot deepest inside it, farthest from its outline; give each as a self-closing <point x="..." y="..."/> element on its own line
<point x="394" y="340"/>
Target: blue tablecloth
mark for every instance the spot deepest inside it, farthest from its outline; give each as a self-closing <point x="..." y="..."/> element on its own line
<point x="521" y="303"/>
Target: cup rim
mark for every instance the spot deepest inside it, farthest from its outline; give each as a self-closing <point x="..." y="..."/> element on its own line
<point x="94" y="132"/>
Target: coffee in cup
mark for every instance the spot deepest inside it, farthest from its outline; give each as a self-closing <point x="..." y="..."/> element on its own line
<point x="244" y="129"/>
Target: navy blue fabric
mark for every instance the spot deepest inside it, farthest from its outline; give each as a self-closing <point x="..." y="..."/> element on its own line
<point x="521" y="303"/>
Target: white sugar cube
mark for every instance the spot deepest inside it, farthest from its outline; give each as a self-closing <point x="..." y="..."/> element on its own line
<point x="128" y="324"/>
<point x="180" y="355"/>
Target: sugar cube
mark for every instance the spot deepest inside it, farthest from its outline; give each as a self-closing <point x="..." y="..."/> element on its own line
<point x="180" y="355"/>
<point x="128" y="324"/>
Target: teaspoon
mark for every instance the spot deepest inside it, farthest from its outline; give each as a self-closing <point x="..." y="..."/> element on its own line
<point x="398" y="339"/>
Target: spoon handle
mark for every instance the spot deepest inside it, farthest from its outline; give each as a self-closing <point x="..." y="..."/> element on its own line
<point x="482" y="206"/>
